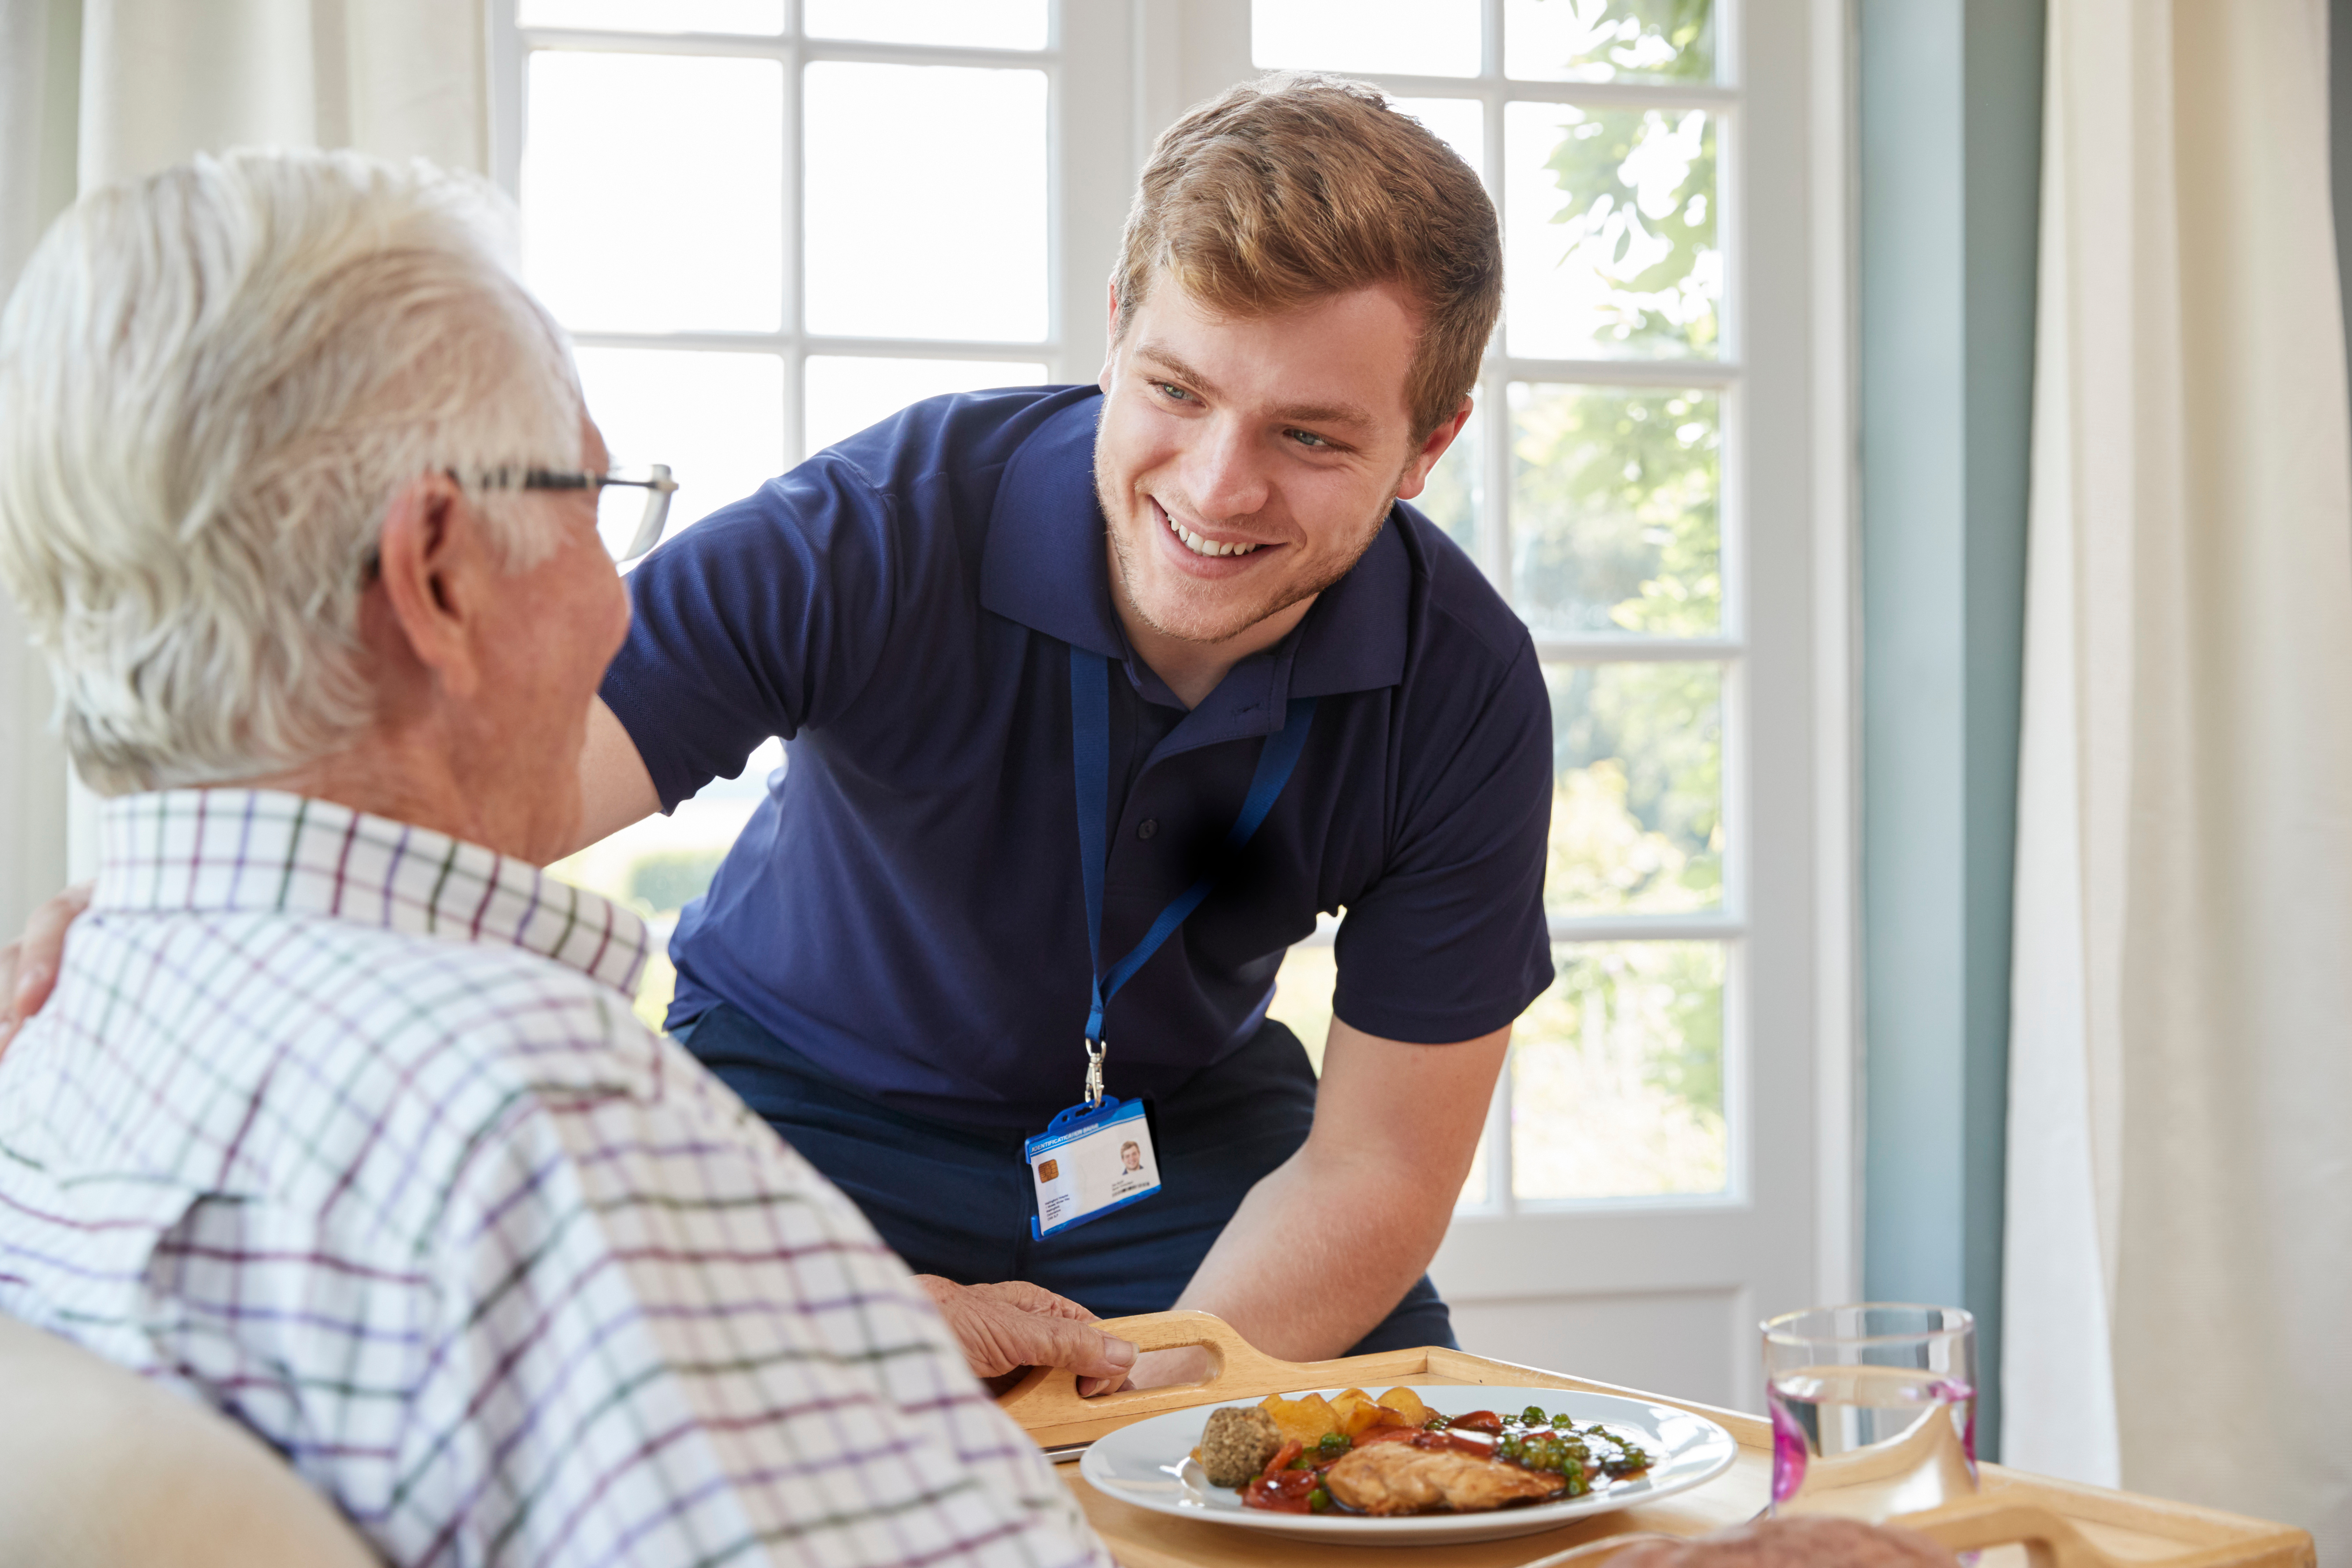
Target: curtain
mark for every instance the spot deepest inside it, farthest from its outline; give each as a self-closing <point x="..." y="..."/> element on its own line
<point x="159" y="82"/>
<point x="2178" y="1272"/>
<point x="165" y="78"/>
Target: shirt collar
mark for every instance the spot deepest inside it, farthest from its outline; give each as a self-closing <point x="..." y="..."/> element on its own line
<point x="1044" y="566"/>
<point x="222" y="851"/>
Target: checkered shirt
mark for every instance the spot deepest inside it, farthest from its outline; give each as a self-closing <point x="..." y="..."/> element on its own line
<point x="346" y="1128"/>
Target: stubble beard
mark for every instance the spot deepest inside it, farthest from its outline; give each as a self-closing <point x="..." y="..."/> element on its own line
<point x="1284" y="596"/>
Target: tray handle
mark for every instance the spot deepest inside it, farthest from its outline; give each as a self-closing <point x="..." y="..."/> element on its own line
<point x="1971" y="1524"/>
<point x="1048" y="1395"/>
<point x="2051" y="1541"/>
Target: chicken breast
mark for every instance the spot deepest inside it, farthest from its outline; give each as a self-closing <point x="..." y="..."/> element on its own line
<point x="1397" y="1478"/>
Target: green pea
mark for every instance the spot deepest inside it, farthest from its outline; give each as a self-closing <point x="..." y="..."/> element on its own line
<point x="1335" y="1443"/>
<point x="1318" y="1501"/>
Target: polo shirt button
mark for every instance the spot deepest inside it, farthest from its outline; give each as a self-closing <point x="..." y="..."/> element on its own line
<point x="1146" y="828"/>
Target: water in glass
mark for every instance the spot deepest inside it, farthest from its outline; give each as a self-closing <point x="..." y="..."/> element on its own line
<point x="1874" y="1410"/>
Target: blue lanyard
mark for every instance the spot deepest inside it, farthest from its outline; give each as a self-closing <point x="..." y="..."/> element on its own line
<point x="1090" y="752"/>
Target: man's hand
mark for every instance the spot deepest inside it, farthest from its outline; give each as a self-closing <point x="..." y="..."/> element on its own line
<point x="28" y="966"/>
<point x="1807" y="1541"/>
<point x="1005" y="1327"/>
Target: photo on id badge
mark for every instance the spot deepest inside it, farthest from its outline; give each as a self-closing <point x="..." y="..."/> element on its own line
<point x="1086" y="1170"/>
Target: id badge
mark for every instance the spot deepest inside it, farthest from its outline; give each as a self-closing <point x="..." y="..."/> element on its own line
<point x="1088" y="1162"/>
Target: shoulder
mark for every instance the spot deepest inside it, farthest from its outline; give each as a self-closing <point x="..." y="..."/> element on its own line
<point x="883" y="500"/>
<point x="1470" y="661"/>
<point x="1453" y="605"/>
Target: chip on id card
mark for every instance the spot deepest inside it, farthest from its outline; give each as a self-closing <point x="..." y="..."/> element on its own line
<point x="1089" y="1161"/>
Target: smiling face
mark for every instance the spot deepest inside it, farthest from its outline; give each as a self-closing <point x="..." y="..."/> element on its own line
<point x="1245" y="465"/>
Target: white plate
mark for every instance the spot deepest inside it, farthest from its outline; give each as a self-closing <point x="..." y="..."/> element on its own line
<point x="1150" y="1465"/>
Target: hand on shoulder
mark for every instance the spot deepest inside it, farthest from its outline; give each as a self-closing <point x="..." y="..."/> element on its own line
<point x="28" y="966"/>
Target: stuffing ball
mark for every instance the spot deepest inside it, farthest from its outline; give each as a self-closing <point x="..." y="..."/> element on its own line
<point x="1237" y="1444"/>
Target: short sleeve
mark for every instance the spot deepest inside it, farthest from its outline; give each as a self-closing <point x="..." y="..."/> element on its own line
<point x="1451" y="941"/>
<point x="664" y="1338"/>
<point x="767" y="615"/>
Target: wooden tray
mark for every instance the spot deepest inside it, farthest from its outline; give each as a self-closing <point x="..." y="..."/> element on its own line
<point x="2023" y="1518"/>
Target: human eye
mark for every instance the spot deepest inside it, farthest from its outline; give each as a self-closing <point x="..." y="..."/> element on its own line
<point x="1311" y="441"/>
<point x="1173" y="392"/>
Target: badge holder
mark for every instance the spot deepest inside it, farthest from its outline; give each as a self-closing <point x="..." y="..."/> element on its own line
<point x="1091" y="1160"/>
<point x="1097" y="1157"/>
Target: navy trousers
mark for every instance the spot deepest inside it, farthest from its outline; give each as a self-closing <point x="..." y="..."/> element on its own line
<point x="956" y="1201"/>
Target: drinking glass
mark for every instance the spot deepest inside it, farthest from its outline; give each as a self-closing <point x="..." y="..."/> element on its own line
<point x="1874" y="1409"/>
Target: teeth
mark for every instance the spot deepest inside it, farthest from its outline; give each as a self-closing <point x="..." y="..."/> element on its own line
<point x="1200" y="546"/>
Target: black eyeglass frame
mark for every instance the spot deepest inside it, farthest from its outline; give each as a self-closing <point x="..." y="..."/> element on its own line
<point x="653" y="479"/>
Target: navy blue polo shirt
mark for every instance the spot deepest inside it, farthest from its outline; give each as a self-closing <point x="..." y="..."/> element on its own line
<point x="905" y="909"/>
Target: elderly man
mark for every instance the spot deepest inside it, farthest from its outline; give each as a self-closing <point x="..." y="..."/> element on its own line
<point x="338" y="1119"/>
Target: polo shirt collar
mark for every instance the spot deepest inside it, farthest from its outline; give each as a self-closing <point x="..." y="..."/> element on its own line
<point x="1044" y="566"/>
<point x="226" y="850"/>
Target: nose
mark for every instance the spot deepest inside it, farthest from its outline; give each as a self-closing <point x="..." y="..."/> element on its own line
<point x="1226" y="474"/>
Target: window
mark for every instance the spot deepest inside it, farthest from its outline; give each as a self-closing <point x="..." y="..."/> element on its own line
<point x="1655" y="478"/>
<point x="1590" y="486"/>
<point x="740" y="211"/>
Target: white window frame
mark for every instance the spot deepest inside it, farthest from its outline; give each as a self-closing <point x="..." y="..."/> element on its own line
<point x="1122" y="71"/>
<point x="1086" y="60"/>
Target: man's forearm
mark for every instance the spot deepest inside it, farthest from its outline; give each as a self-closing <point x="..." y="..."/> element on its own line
<point x="1324" y="1246"/>
<point x="1321" y="1252"/>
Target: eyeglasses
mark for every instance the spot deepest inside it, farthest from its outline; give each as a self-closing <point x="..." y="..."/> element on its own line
<point x="627" y="529"/>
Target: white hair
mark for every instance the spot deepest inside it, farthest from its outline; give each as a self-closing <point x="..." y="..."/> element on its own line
<point x="212" y="383"/>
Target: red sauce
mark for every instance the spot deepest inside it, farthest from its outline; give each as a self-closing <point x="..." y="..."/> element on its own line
<point x="1284" y="1492"/>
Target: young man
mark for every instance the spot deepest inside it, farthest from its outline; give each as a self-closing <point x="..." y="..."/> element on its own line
<point x="339" y="1118"/>
<point x="898" y="963"/>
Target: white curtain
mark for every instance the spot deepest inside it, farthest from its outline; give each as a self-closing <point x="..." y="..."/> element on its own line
<point x="161" y="80"/>
<point x="165" y="78"/>
<point x="2178" y="1302"/>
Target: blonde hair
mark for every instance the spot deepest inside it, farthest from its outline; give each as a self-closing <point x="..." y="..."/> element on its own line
<point x="1296" y="186"/>
<point x="212" y="383"/>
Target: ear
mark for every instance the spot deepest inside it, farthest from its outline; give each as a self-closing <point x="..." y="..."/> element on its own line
<point x="1416" y="473"/>
<point x="432" y="560"/>
<point x="1110" y="337"/>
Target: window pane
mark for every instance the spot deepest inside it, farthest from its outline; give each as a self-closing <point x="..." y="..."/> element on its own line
<point x="910" y="233"/>
<point x="1609" y="40"/>
<point x="1408" y="37"/>
<point x="1456" y="497"/>
<point x="1459" y="122"/>
<point x="1302" y="995"/>
<point x="754" y="16"/>
<point x="658" y="866"/>
<point x="1637" y="789"/>
<point x="1609" y="231"/>
<point x="718" y="420"/>
<point x="845" y="395"/>
<point x="1617" y="1074"/>
<point x="1614" y="518"/>
<point x="653" y="191"/>
<point x="968" y="24"/>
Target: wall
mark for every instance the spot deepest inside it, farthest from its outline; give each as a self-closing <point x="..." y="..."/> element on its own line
<point x="41" y="48"/>
<point x="1949" y="134"/>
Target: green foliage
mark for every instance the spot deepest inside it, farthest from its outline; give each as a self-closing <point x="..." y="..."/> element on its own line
<point x="1615" y="522"/>
<point x="1646" y="40"/>
<point x="665" y="882"/>
<point x="1668" y="994"/>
